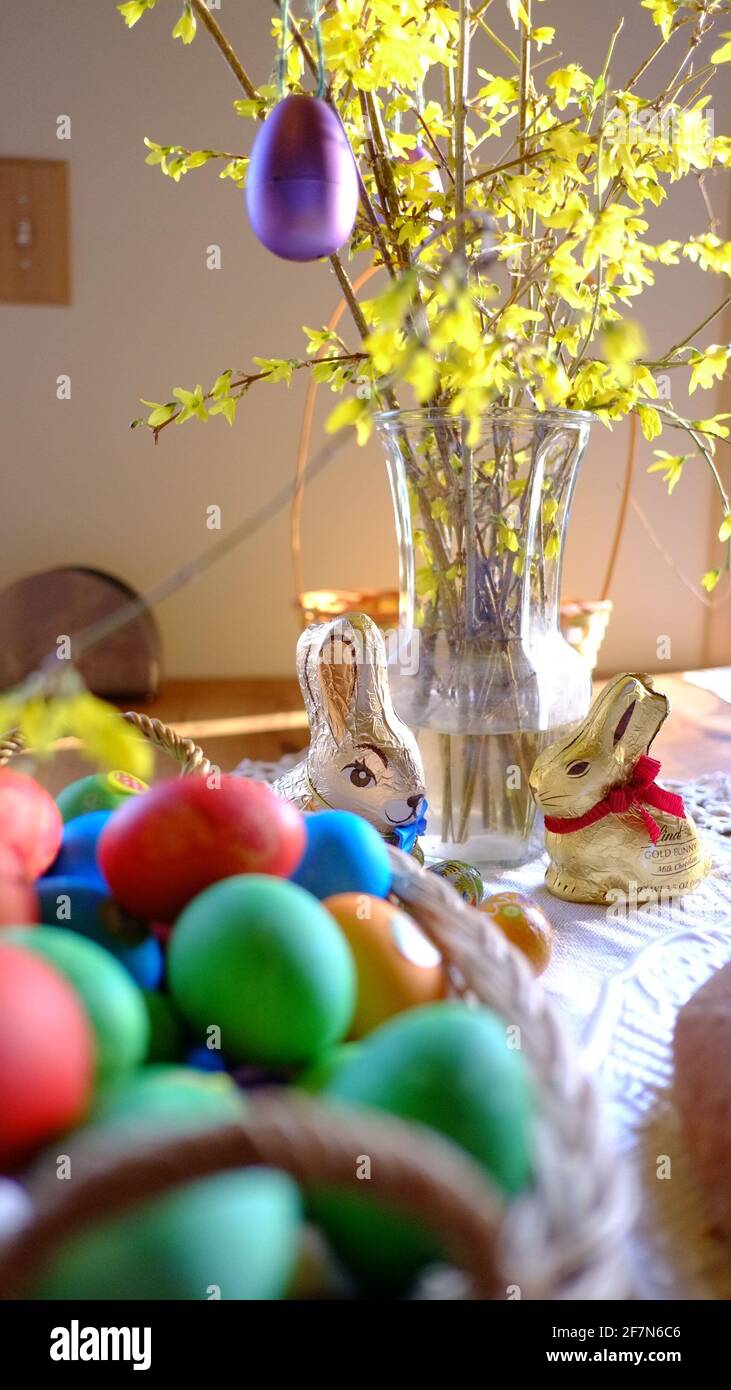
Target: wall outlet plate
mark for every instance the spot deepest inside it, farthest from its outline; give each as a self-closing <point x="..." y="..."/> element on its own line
<point x="34" y="232"/>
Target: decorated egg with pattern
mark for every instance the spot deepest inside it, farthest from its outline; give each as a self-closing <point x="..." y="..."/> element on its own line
<point x="464" y="877"/>
<point x="102" y="791"/>
<point x="524" y="923"/>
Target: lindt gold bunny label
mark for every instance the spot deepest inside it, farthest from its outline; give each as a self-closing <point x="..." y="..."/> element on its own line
<point x="361" y="757"/>
<point x="610" y="827"/>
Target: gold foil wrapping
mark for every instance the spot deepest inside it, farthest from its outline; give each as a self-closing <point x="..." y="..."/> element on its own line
<point x="361" y="757"/>
<point x="614" y="858"/>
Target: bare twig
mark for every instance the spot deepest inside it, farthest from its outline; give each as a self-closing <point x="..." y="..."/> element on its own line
<point x="624" y="503"/>
<point x="678" y="347"/>
<point x="219" y="38"/>
<point x="349" y="295"/>
<point x="463" y="52"/>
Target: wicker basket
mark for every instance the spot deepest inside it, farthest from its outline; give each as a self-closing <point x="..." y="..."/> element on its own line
<point x="584" y="624"/>
<point x="562" y="1239"/>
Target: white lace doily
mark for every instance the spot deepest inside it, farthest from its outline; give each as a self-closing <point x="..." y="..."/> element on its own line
<point x="266" y="772"/>
<point x="709" y="801"/>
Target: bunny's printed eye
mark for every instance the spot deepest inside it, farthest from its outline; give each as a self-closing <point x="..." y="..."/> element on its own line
<point x="578" y="769"/>
<point x="624" y="722"/>
<point x="361" y="775"/>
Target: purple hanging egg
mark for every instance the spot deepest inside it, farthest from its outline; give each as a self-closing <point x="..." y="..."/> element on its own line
<point x="302" y="184"/>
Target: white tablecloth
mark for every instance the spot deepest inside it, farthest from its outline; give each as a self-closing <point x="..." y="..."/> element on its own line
<point x="591" y="944"/>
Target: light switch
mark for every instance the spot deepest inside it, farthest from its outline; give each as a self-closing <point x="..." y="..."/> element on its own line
<point x="34" y="232"/>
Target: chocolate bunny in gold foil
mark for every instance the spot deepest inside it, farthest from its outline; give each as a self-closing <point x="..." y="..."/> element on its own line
<point x="361" y="757"/>
<point x="610" y="829"/>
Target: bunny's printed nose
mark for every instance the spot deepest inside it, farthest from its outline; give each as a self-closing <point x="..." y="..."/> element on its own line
<point x="403" y="812"/>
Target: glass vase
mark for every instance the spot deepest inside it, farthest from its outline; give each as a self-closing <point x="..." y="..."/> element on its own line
<point x="483" y="677"/>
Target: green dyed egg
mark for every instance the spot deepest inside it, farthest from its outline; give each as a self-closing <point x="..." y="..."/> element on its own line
<point x="263" y="960"/>
<point x="450" y="1067"/>
<point x="166" y="1028"/>
<point x="325" y="1068"/>
<point x="464" y="877"/>
<point x="165" y="1096"/>
<point x="232" y="1236"/>
<point x="103" y="791"/>
<point x="112" y="1000"/>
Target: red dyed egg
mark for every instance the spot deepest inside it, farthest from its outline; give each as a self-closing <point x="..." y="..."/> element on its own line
<point x="30" y="821"/>
<point x="19" y="905"/>
<point x="161" y="849"/>
<point x="302" y="183"/>
<point x="47" y="1053"/>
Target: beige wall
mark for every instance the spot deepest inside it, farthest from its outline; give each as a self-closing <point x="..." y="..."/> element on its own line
<point x="148" y="315"/>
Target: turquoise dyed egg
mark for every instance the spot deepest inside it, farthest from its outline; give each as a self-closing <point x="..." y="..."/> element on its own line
<point x="232" y="1236"/>
<point x="263" y="960"/>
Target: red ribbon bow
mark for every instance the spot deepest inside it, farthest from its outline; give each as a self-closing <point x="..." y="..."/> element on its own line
<point x="638" y="793"/>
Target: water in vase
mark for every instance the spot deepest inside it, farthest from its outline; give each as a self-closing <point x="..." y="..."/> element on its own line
<point x="480" y="805"/>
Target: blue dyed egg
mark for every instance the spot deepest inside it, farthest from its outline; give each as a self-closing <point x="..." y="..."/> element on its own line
<point x="86" y="906"/>
<point x="343" y="854"/>
<point x="204" y="1058"/>
<point x="77" y="855"/>
<point x="302" y="182"/>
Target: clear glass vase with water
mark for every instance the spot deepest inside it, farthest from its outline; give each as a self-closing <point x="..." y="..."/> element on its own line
<point x="481" y="520"/>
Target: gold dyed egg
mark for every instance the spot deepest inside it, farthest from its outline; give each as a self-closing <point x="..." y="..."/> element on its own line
<point x="397" y="966"/>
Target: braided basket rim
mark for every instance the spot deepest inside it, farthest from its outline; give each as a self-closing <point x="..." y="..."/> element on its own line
<point x="561" y="1239"/>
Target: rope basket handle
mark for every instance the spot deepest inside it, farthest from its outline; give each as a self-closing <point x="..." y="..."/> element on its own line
<point x="184" y="751"/>
<point x="415" y="1170"/>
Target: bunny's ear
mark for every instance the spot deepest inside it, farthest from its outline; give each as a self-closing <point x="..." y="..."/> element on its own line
<point x="328" y="663"/>
<point x="632" y="716"/>
<point x="372" y="695"/>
